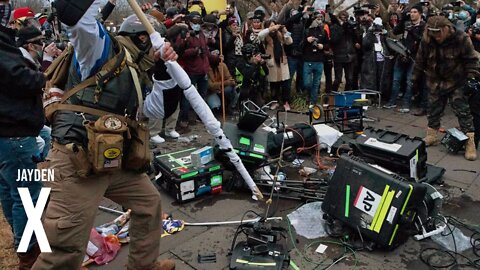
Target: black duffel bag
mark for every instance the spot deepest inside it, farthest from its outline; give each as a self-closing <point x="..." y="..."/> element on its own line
<point x="296" y="136"/>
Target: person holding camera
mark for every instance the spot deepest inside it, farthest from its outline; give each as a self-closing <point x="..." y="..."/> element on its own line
<point x="375" y="57"/>
<point x="448" y="61"/>
<point x="343" y="40"/>
<point x="316" y="42"/>
<point x="412" y="27"/>
<point x="250" y="74"/>
<point x="275" y="37"/>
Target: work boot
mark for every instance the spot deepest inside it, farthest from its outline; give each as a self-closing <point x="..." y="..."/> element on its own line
<point x="431" y="138"/>
<point x="164" y="265"/>
<point x="470" y="149"/>
<point x="27" y="259"/>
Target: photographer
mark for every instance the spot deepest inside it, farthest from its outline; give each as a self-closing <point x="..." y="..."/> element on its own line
<point x="474" y="33"/>
<point x="344" y="54"/>
<point x="316" y="43"/>
<point x="250" y="74"/>
<point x="375" y="57"/>
<point x="364" y="20"/>
<point x="412" y="27"/>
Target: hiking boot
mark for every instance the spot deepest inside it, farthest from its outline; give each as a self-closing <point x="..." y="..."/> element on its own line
<point x="26" y="260"/>
<point x="470" y="149"/>
<point x="389" y="106"/>
<point x="431" y="138"/>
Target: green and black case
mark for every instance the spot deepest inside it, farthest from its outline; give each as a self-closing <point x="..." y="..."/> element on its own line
<point x="184" y="181"/>
<point x="376" y="203"/>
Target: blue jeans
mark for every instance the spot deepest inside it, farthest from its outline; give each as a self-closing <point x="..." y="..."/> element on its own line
<point x="295" y="65"/>
<point x="45" y="134"/>
<point x="231" y="97"/>
<point x="201" y="83"/>
<point x="312" y="74"/>
<point x="16" y="154"/>
<point x="402" y="72"/>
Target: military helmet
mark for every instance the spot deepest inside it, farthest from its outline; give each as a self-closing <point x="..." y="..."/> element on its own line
<point x="132" y="25"/>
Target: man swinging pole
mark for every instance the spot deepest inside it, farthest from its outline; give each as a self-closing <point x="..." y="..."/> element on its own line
<point x="201" y="108"/>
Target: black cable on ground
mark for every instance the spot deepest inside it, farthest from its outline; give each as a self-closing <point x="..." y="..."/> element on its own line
<point x="454" y="255"/>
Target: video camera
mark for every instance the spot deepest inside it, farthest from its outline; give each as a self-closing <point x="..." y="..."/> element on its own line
<point x="352" y="24"/>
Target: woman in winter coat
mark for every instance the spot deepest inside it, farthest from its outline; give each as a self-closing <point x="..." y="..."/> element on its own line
<point x="275" y="37"/>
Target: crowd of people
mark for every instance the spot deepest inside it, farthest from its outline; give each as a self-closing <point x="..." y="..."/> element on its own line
<point x="414" y="55"/>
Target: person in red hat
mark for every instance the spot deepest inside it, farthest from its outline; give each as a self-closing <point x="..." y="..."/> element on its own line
<point x="23" y="17"/>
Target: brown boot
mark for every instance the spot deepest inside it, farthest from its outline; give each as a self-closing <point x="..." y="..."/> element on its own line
<point x="164" y="265"/>
<point x="470" y="149"/>
<point x="26" y="260"/>
<point x="431" y="138"/>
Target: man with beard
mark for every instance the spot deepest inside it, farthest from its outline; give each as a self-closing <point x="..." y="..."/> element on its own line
<point x="448" y="61"/>
<point x="21" y="118"/>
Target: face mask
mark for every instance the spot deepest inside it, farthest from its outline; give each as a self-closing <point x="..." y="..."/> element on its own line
<point x="5" y="12"/>
<point x="39" y="55"/>
<point x="196" y="27"/>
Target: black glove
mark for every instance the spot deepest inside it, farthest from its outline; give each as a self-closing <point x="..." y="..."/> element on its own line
<point x="71" y="11"/>
<point x="472" y="86"/>
<point x="405" y="17"/>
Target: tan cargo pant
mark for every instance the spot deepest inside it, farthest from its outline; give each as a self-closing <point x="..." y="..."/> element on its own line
<point x="73" y="206"/>
<point x="155" y="126"/>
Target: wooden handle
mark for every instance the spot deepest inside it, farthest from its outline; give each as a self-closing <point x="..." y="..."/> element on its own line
<point x="141" y="16"/>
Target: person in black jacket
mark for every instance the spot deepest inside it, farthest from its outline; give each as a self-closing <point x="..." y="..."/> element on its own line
<point x="411" y="26"/>
<point x="297" y="22"/>
<point x="21" y="119"/>
<point x="343" y="40"/>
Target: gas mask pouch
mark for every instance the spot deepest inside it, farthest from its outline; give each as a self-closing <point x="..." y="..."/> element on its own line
<point x="105" y="143"/>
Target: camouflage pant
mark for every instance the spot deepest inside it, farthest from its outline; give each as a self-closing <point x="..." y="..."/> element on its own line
<point x="437" y="102"/>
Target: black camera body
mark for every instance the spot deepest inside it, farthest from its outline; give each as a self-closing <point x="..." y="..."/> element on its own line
<point x="266" y="56"/>
<point x="475" y="30"/>
<point x="352" y="24"/>
<point x="455" y="4"/>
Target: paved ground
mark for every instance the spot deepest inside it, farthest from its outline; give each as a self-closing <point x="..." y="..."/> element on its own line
<point x="461" y="190"/>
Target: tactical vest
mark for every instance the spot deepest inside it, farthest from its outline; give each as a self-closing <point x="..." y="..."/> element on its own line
<point x="115" y="94"/>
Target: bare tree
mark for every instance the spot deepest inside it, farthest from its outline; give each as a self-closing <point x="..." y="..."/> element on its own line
<point x="35" y="5"/>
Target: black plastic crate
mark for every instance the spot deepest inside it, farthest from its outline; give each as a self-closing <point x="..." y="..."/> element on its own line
<point x="397" y="152"/>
